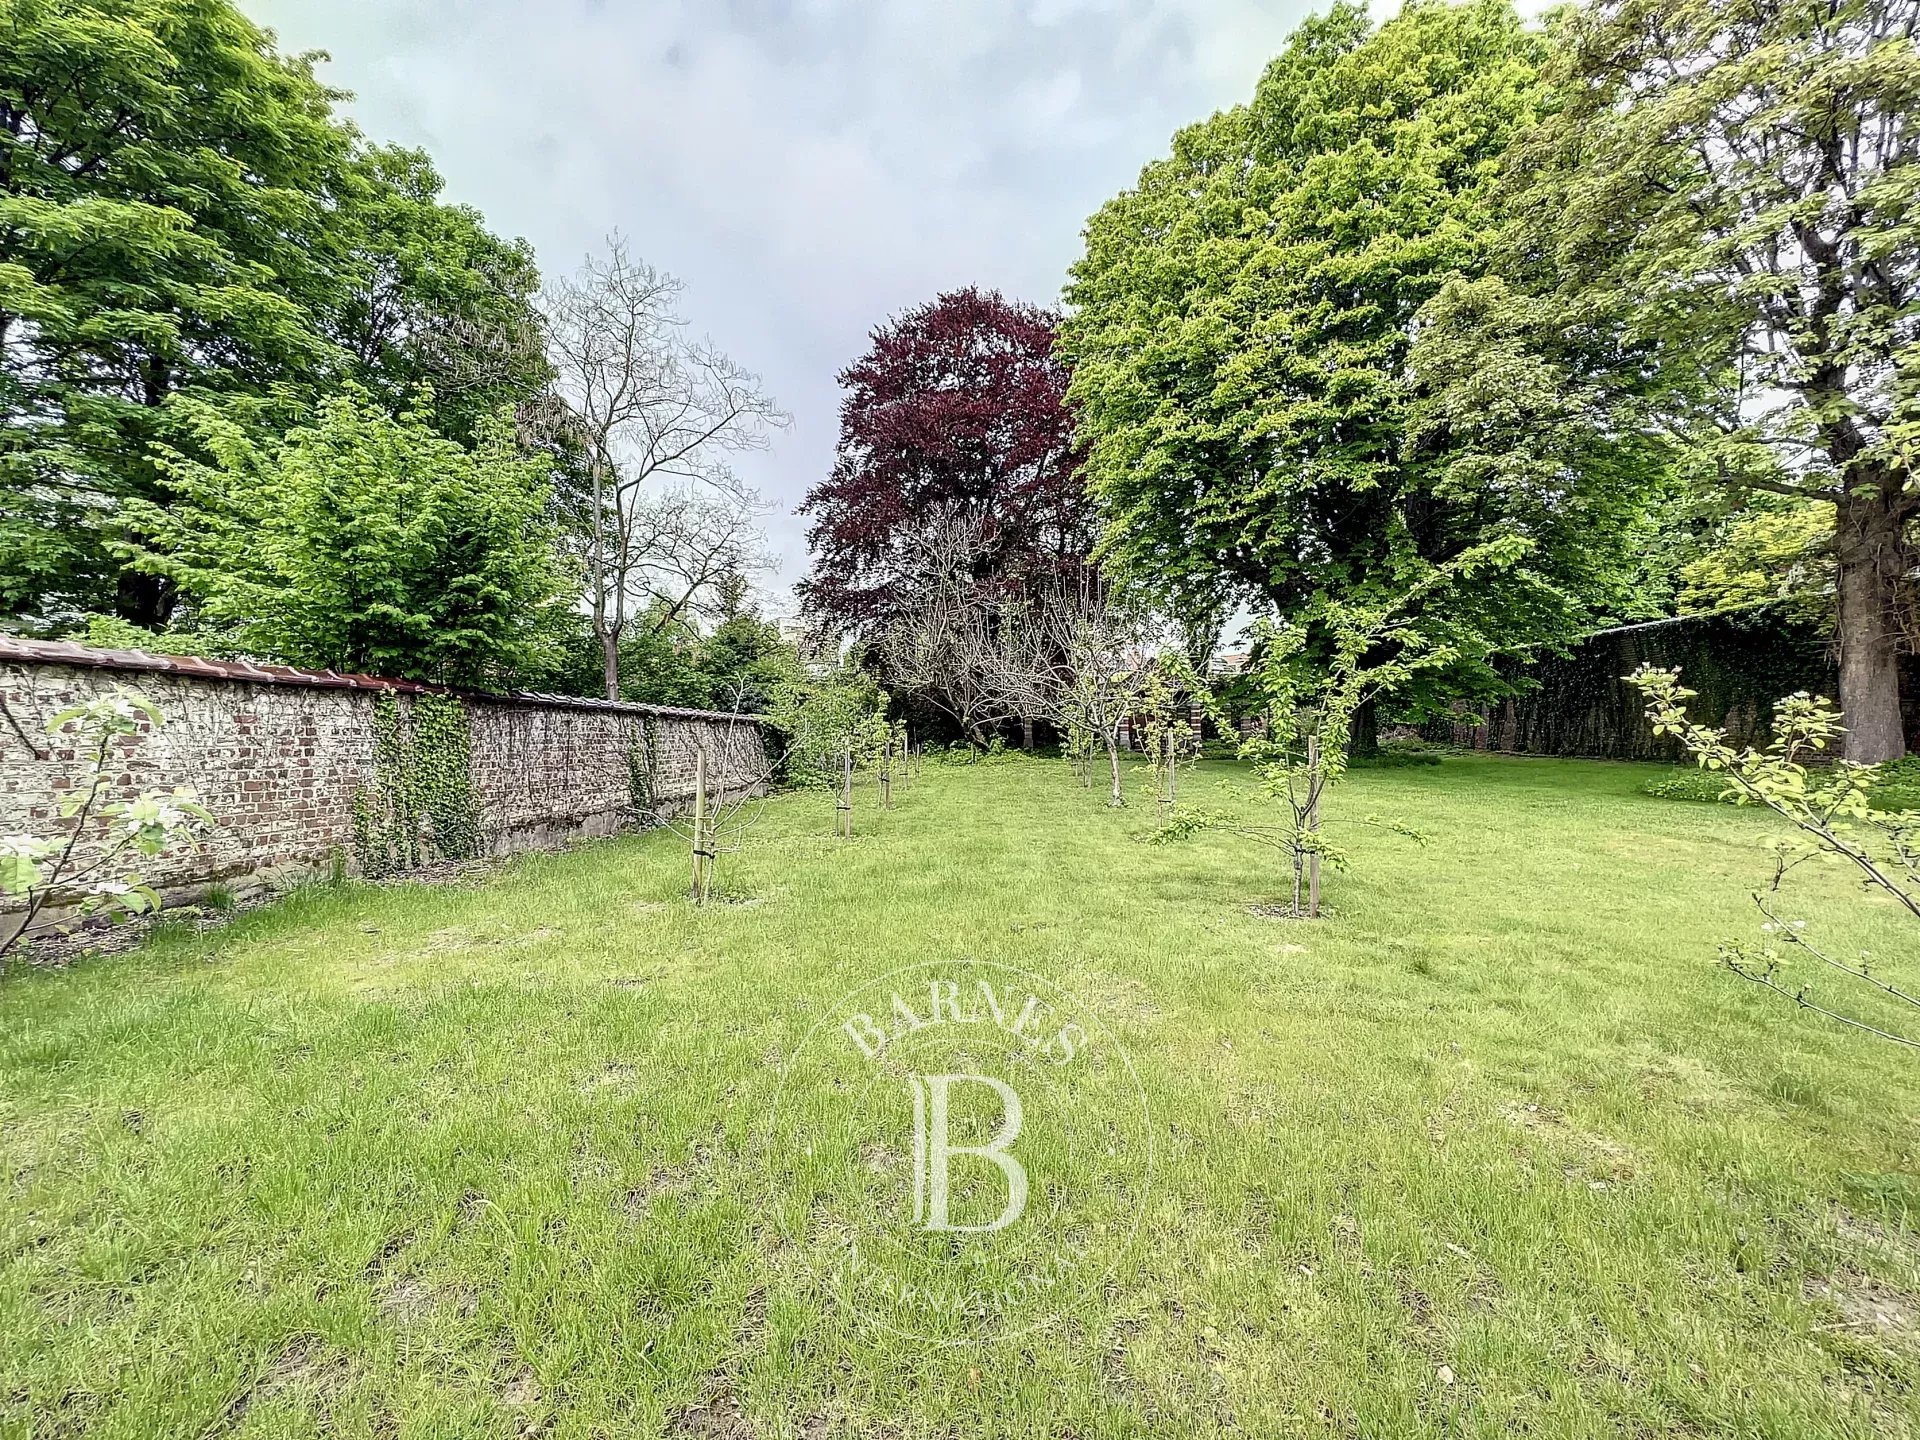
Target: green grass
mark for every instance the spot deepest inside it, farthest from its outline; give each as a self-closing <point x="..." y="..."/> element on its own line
<point x="1495" y="1149"/>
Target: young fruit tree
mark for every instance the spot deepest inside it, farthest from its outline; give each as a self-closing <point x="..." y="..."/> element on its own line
<point x="944" y="642"/>
<point x="1101" y="652"/>
<point x="833" y="720"/>
<point x="1310" y="704"/>
<point x="50" y="883"/>
<point x="1167" y="735"/>
<point x="1832" y="809"/>
<point x="733" y="772"/>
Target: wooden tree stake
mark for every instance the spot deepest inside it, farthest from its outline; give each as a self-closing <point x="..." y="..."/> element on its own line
<point x="700" y="825"/>
<point x="1313" y="826"/>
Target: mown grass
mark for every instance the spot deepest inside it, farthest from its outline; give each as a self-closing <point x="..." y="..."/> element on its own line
<point x="1495" y="1149"/>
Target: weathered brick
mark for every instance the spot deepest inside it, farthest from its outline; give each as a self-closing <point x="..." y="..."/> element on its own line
<point x="283" y="798"/>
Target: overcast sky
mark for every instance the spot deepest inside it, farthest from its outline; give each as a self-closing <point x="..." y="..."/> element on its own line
<point x="807" y="167"/>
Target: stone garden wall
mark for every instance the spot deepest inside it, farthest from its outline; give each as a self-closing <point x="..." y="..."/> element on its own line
<point x="292" y="763"/>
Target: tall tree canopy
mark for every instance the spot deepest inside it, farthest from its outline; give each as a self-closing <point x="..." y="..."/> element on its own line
<point x="1243" y="323"/>
<point x="955" y="415"/>
<point x="1715" y="237"/>
<point x="181" y="213"/>
<point x="365" y="542"/>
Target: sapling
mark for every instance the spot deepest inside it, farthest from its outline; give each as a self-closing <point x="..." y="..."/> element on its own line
<point x="1832" y="809"/>
<point x="732" y="776"/>
<point x="1300" y="752"/>
<point x="53" y="881"/>
<point x="1167" y="728"/>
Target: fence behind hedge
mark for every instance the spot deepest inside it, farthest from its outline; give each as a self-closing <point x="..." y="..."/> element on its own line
<point x="1578" y="704"/>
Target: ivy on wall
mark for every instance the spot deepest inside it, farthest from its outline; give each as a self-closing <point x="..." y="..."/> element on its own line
<point x="420" y="806"/>
<point x="640" y="753"/>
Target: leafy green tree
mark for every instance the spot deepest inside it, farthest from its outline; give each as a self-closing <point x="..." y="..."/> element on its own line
<point x="828" y="716"/>
<point x="365" y="542"/>
<point x="1243" y="325"/>
<point x="660" y="663"/>
<point x="1712" y="240"/>
<point x="181" y="213"/>
<point x="431" y="297"/>
<point x="744" y="661"/>
<point x="162" y="173"/>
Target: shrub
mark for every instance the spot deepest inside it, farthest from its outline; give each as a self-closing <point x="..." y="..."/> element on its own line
<point x="1397" y="755"/>
<point x="1833" y="808"/>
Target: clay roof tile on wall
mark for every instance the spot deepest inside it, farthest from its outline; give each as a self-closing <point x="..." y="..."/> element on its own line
<point x="16" y="650"/>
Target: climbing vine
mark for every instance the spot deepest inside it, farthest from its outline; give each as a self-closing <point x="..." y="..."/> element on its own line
<point x="421" y="805"/>
<point x="640" y="753"/>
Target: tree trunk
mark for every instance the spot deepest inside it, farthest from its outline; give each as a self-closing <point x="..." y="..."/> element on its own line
<point x="610" y="663"/>
<point x="1867" y="553"/>
<point x="1313" y="824"/>
<point x="1026" y="732"/>
<point x="1364" y="740"/>
<point x="1113" y="765"/>
<point x="142" y="599"/>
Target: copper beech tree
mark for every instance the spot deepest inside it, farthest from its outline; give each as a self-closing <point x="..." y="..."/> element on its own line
<point x="955" y="416"/>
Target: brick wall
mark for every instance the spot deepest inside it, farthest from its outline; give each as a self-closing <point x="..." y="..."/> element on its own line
<point x="278" y="755"/>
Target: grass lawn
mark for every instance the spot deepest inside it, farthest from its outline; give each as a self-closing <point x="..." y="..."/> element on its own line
<point x="1495" y="1149"/>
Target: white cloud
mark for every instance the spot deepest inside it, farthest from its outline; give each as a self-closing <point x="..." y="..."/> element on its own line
<point x="808" y="167"/>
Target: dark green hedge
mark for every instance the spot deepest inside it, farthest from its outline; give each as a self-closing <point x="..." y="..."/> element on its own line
<point x="1578" y="704"/>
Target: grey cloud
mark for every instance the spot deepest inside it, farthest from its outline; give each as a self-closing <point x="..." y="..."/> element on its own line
<point x="808" y="167"/>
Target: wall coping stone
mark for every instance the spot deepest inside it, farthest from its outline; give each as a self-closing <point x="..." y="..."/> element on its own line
<point x="18" y="650"/>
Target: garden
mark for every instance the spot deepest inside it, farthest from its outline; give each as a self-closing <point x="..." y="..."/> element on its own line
<point x="1325" y="841"/>
<point x="1495" y="1148"/>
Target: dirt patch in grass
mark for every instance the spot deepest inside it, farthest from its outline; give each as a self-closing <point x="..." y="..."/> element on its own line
<point x="1281" y="912"/>
<point x="1597" y="1161"/>
<point x="307" y="1366"/>
<point x="718" y="1417"/>
<point x="1868" y="1306"/>
<point x="662" y="1184"/>
<point x="614" y="1073"/>
<point x="520" y="1389"/>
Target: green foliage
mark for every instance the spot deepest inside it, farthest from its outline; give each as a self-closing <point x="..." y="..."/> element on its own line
<point x="1302" y="749"/>
<point x="1397" y="755"/>
<point x="664" y="660"/>
<point x="163" y="176"/>
<point x="826" y="715"/>
<point x="80" y="869"/>
<point x="1164" y="712"/>
<point x="1832" y="808"/>
<point x="364" y="542"/>
<point x="1710" y="245"/>
<point x="421" y="805"/>
<point x="1773" y="549"/>
<point x="182" y="213"/>
<point x="110" y="632"/>
<point x="434" y="300"/>
<point x="1697" y="786"/>
<point x="1243" y="330"/>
